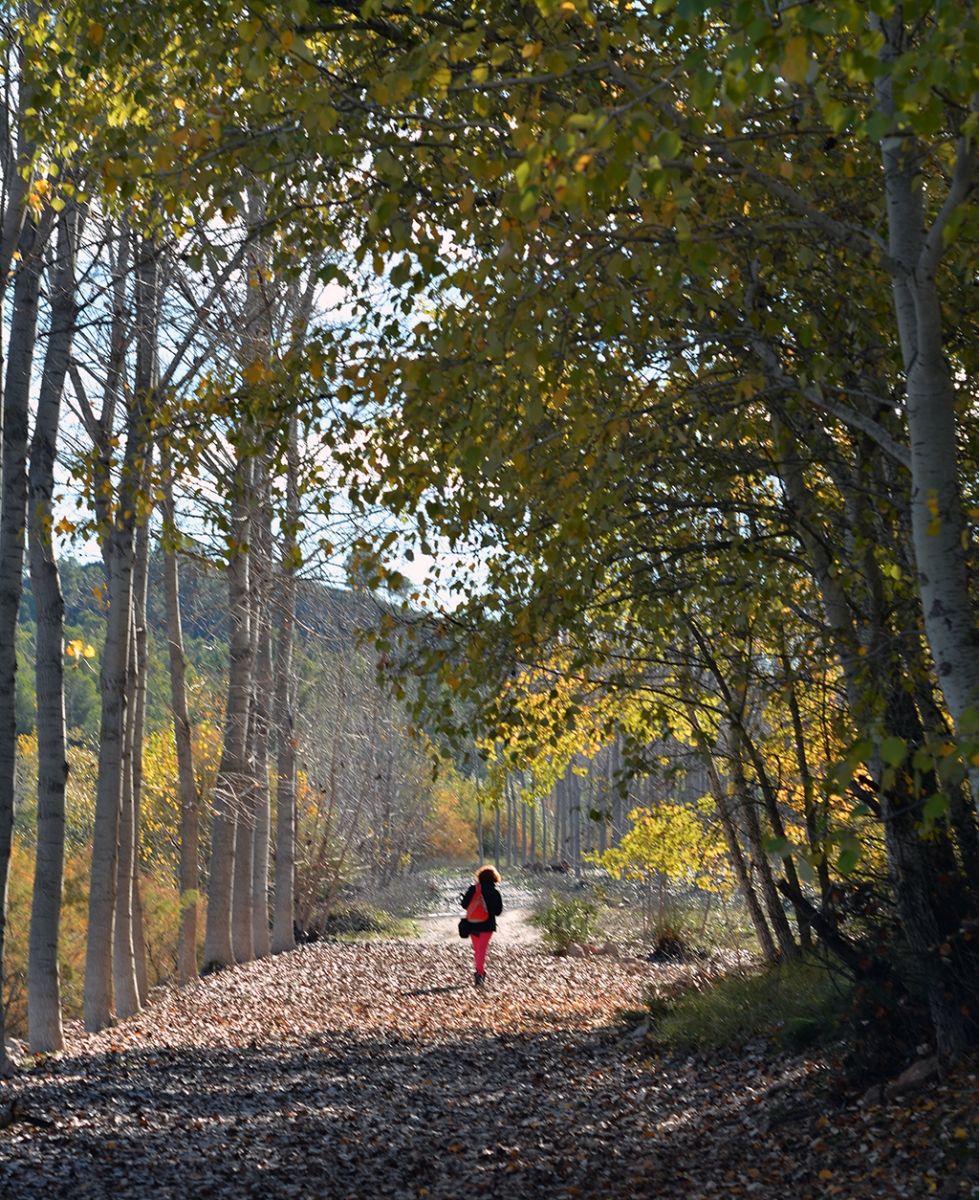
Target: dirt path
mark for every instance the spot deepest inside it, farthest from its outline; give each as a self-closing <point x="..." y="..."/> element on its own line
<point x="512" y="930"/>
<point x="377" y="1071"/>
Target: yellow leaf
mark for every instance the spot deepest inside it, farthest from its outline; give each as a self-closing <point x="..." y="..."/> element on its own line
<point x="961" y="1133"/>
<point x="795" y="60"/>
<point x="825" y="1174"/>
<point x="255" y="373"/>
<point x="531" y="50"/>
<point x="96" y="33"/>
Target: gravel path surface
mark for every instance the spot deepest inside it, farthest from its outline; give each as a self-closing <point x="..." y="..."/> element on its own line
<point x="374" y="1071"/>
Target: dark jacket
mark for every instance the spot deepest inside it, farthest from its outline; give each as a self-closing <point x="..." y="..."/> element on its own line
<point x="494" y="906"/>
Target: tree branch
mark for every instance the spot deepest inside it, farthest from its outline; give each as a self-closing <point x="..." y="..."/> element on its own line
<point x="849" y="416"/>
<point x="934" y="244"/>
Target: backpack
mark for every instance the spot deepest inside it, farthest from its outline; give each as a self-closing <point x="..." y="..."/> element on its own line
<point x="476" y="910"/>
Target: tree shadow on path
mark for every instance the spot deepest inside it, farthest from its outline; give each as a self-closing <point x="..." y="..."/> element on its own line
<point x="512" y="1115"/>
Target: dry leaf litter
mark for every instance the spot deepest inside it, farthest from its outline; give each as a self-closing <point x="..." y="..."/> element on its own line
<point x="378" y="1070"/>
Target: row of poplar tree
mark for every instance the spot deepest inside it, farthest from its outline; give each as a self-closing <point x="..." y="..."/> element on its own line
<point x="666" y="311"/>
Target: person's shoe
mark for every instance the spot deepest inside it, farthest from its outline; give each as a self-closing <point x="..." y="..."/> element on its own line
<point x="480" y="979"/>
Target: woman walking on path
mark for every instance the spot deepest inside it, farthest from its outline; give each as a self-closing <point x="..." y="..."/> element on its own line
<point x="482" y="898"/>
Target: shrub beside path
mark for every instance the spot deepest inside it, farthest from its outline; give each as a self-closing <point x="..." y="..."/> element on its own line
<point x="371" y="1071"/>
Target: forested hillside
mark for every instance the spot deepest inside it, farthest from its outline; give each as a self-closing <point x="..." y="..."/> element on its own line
<point x="329" y="618"/>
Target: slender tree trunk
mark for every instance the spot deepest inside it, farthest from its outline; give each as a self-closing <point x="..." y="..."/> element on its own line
<point x="735" y="857"/>
<point x="45" y="1030"/>
<point x="13" y="521"/>
<point x="119" y="555"/>
<point x="233" y="773"/>
<point x="260" y="733"/>
<point x="576" y="824"/>
<point x="139" y="723"/>
<point x="284" y="914"/>
<point x="99" y="1000"/>
<point x="189" y="799"/>
<point x="479" y="810"/>
<point x="770" y="800"/>
<point x="558" y="793"/>
<point x="619" y="804"/>
<point x="915" y="884"/>
<point x="242" y="911"/>
<point x="123" y="956"/>
<point x="563" y="802"/>
<point x="129" y="951"/>
<point x="939" y="530"/>
<point x="508" y="788"/>
<point x="760" y="863"/>
<point x="479" y="830"/>
<point x="813" y="821"/>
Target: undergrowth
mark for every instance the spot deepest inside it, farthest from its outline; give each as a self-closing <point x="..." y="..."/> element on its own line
<point x="357" y="921"/>
<point x="566" y="919"/>
<point x="797" y="1005"/>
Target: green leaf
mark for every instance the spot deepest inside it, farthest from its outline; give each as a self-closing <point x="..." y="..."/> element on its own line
<point x="935" y="807"/>
<point x="893" y="751"/>
<point x="969" y="720"/>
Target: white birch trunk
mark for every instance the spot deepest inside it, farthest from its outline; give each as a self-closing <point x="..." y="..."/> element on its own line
<point x="939" y="530"/>
<point x="129" y="995"/>
<point x="233" y="771"/>
<point x="139" y="721"/>
<point x="45" y="1031"/>
<point x="189" y="799"/>
<point x="13" y="520"/>
<point x="260" y="731"/>
<point x="123" y="956"/>
<point x="119" y="556"/>
<point x="284" y="913"/>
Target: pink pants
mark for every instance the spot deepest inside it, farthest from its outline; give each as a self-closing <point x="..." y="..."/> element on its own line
<point x="480" y="943"/>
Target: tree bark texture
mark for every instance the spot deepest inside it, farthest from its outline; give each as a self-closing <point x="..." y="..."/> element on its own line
<point x="261" y="726"/>
<point x="233" y="774"/>
<point x="718" y="789"/>
<point x="242" y="911"/>
<point x="13" y="521"/>
<point x="129" y="953"/>
<point x="125" y="989"/>
<point x="284" y="914"/>
<point x="189" y="799"/>
<point x="939" y="530"/>
<point x="139" y="722"/>
<point x="748" y="810"/>
<point x="119" y="555"/>
<point x="45" y="1031"/>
